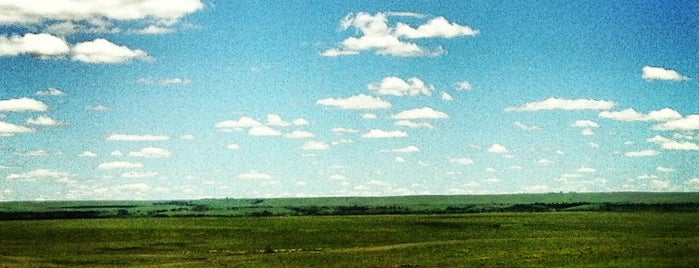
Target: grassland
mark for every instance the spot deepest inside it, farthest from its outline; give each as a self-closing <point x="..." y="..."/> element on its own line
<point x="570" y="230"/>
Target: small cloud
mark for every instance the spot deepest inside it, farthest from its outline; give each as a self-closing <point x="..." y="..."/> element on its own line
<point x="237" y="125"/>
<point x="643" y="153"/>
<point x="87" y="154"/>
<point x="41" y="174"/>
<point x="233" y="146"/>
<point x="139" y="175"/>
<point x="378" y="133"/>
<point x="585" y="124"/>
<point x="526" y="127"/>
<point x="665" y="169"/>
<point x="409" y="149"/>
<point x="369" y="116"/>
<point x="398" y="87"/>
<point x="421" y="113"/>
<point x="344" y="130"/>
<point x="563" y="104"/>
<point x="545" y="162"/>
<point x="103" y="51"/>
<point x="446" y="96"/>
<point x="119" y="165"/>
<point x="154" y="29"/>
<point x="187" y="137"/>
<point x="670" y="144"/>
<point x="315" y="145"/>
<point x="665" y="114"/>
<point x="263" y="131"/>
<point x="411" y="124"/>
<point x="650" y="73"/>
<point x="592" y="144"/>
<point x="399" y="159"/>
<point x="98" y="107"/>
<point x="464" y="85"/>
<point x="690" y="123"/>
<point x="9" y="129"/>
<point x="497" y="148"/>
<point x="299" y="134"/>
<point x="50" y="92"/>
<point x="358" y="102"/>
<point x="116" y="153"/>
<point x="461" y="161"/>
<point x="151" y="152"/>
<point x="22" y="105"/>
<point x="587" y="170"/>
<point x="300" y="122"/>
<point x="45" y="121"/>
<point x="276" y="121"/>
<point x="128" y="137"/>
<point x="35" y="153"/>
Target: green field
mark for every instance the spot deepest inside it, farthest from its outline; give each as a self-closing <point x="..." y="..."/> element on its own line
<point x="544" y="230"/>
<point x="574" y="239"/>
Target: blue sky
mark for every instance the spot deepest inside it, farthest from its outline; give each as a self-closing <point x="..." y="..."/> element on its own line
<point x="195" y="99"/>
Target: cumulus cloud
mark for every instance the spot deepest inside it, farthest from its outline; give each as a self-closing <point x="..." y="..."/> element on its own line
<point x="398" y="87"/>
<point x="299" y="134"/>
<point x="73" y="16"/>
<point x="187" y="137"/>
<point x="41" y="174"/>
<point x="642" y="153"/>
<point x="670" y="144"/>
<point x="563" y="104"/>
<point x="164" y="82"/>
<point x="421" y="113"/>
<point x="151" y="152"/>
<point x="377" y="35"/>
<point x="103" y="51"/>
<point x="315" y="146"/>
<point x="409" y="149"/>
<point x="22" y="105"/>
<point x="87" y="154"/>
<point x="526" y="127"/>
<point x="378" y="134"/>
<point x="263" y="131"/>
<point x="128" y="137"/>
<point x="446" y="96"/>
<point x="44" y="46"/>
<point x="50" y="92"/>
<point x="665" y="169"/>
<point x="98" y="107"/>
<point x="461" y="161"/>
<point x="411" y="124"/>
<point x="344" y="130"/>
<point x="690" y="122"/>
<point x="238" y="125"/>
<point x="9" y="129"/>
<point x="497" y="148"/>
<point x="464" y="85"/>
<point x="233" y="146"/>
<point x="585" y="124"/>
<point x="254" y="175"/>
<point x="276" y="120"/>
<point x="300" y="122"/>
<point x="587" y="170"/>
<point x="119" y="165"/>
<point x="630" y="114"/>
<point x="369" y="116"/>
<point x="650" y="73"/>
<point x="358" y="102"/>
<point x="45" y="121"/>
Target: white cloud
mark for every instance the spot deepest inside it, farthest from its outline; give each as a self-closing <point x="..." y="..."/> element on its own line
<point x="315" y="145"/>
<point x="588" y="132"/>
<point x="9" y="129"/>
<point x="276" y="121"/>
<point x="659" y="73"/>
<point x="300" y="122"/>
<point x="233" y="146"/>
<point x="461" y="161"/>
<point x="119" y="165"/>
<point x="254" y="175"/>
<point x="693" y="183"/>
<point x="98" y="107"/>
<point x="690" y="122"/>
<point x="545" y="162"/>
<point x="151" y="152"/>
<point x="103" y="51"/>
<point x="44" y="46"/>
<point x="497" y="148"/>
<point x="128" y="137"/>
<point x="35" y="153"/>
<point x="154" y="29"/>
<point x="51" y="92"/>
<point x="369" y="116"/>
<point x="585" y="124"/>
<point x="344" y="130"/>
<point x="642" y="153"/>
<point x="377" y="35"/>
<point x="411" y="124"/>
<point x="22" y="105"/>
<point x="139" y="175"/>
<point x="357" y="102"/>
<point x="670" y="144"/>
<point x="378" y="133"/>
<point x="436" y="27"/>
<point x="164" y="82"/>
<point x="665" y="169"/>
<point x="399" y="159"/>
<point x="464" y="85"/>
<point x="243" y="122"/>
<point x="40" y="174"/>
<point x="398" y="87"/>
<point x="263" y="131"/>
<point x="116" y="153"/>
<point x="187" y="137"/>
<point x="446" y="96"/>
<point x="587" y="170"/>
<point x="87" y="154"/>
<point x="95" y="14"/>
<point x="299" y="134"/>
<point x="564" y="104"/>
<point x="592" y="145"/>
<point x="337" y="177"/>
<point x="409" y="149"/>
<point x="526" y="127"/>
<point x="630" y="114"/>
<point x="421" y="113"/>
<point x="45" y="121"/>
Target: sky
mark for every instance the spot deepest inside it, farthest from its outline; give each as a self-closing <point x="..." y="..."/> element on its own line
<point x="156" y="99"/>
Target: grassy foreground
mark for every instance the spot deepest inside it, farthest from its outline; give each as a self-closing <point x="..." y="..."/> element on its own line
<point x="551" y="239"/>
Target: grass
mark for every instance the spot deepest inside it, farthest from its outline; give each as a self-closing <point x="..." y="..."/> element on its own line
<point x="558" y="239"/>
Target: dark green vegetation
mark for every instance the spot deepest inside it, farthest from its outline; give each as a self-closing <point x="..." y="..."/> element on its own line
<point x="353" y="205"/>
<point x="577" y="230"/>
